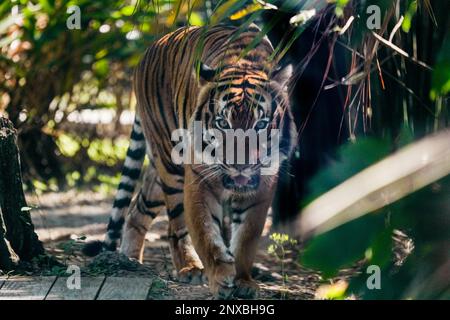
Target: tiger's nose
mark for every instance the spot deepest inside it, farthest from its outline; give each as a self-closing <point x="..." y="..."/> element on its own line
<point x="241" y="180"/>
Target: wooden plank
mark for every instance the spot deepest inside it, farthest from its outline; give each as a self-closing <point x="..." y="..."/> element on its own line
<point x="26" y="288"/>
<point x="2" y="280"/>
<point x="89" y="287"/>
<point x="119" y="288"/>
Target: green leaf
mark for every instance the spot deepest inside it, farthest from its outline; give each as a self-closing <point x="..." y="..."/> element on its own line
<point x="381" y="248"/>
<point x="352" y="158"/>
<point x="249" y="9"/>
<point x="195" y="19"/>
<point x="127" y="11"/>
<point x="101" y="67"/>
<point x="441" y="74"/>
<point x="409" y="15"/>
<point x="340" y="5"/>
<point x="342" y="246"/>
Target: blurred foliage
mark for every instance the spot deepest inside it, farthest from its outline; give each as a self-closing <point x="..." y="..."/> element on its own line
<point x="423" y="215"/>
<point x="357" y="156"/>
<point x="47" y="71"/>
<point x="397" y="98"/>
<point x="351" y="159"/>
<point x="441" y="79"/>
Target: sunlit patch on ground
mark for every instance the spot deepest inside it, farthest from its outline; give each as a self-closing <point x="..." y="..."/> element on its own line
<point x="69" y="219"/>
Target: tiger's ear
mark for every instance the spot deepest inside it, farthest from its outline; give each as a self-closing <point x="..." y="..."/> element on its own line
<point x="206" y="73"/>
<point x="283" y="75"/>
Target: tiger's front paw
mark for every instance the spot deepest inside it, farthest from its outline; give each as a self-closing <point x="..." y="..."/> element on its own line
<point x="191" y="274"/>
<point x="246" y="289"/>
<point x="221" y="281"/>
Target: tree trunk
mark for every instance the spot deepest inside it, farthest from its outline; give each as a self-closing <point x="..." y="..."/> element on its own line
<point x="18" y="241"/>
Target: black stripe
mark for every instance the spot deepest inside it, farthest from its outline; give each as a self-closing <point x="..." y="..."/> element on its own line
<point x="232" y="74"/>
<point x="150" y="203"/>
<point x="162" y="111"/>
<point x="236" y="46"/>
<point x="243" y="85"/>
<point x="207" y="118"/>
<point x="186" y="90"/>
<point x="239" y="211"/>
<point x="196" y="172"/>
<point x="166" y="161"/>
<point x="237" y="220"/>
<point x="132" y="173"/>
<point x="153" y="204"/>
<point x="218" y="49"/>
<point x="121" y="203"/>
<point x="253" y="57"/>
<point x="140" y="208"/>
<point x="183" y="235"/>
<point x="136" y="154"/>
<point x="137" y="136"/>
<point x="126" y="187"/>
<point x="260" y="109"/>
<point x="274" y="105"/>
<point x="216" y="220"/>
<point x="229" y="96"/>
<point x="168" y="190"/>
<point x="145" y="211"/>
<point x="115" y="228"/>
<point x="170" y="167"/>
<point x="174" y="236"/>
<point x="184" y="108"/>
<point x="149" y="213"/>
<point x="199" y="113"/>
<point x="176" y="212"/>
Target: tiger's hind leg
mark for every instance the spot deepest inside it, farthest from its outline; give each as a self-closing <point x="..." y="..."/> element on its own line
<point x="184" y="257"/>
<point x="148" y="203"/>
<point x="153" y="198"/>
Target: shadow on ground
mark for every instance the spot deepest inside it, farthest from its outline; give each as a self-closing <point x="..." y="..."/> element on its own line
<point x="71" y="218"/>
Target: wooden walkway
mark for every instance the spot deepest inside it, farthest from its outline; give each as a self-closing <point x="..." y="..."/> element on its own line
<point x="57" y="288"/>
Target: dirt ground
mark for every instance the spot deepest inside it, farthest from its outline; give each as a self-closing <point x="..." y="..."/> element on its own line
<point x="65" y="221"/>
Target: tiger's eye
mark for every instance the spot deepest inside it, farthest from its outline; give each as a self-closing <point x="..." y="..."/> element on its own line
<point x="261" y="124"/>
<point x="222" y="123"/>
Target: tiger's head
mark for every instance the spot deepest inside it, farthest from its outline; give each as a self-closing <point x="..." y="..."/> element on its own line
<point x="239" y="103"/>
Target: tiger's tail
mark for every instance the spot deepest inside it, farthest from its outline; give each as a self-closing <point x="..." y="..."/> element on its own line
<point x="128" y="180"/>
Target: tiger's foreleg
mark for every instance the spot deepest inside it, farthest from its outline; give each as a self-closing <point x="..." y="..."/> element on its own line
<point x="145" y="207"/>
<point x="184" y="257"/>
<point x="203" y="216"/>
<point x="247" y="226"/>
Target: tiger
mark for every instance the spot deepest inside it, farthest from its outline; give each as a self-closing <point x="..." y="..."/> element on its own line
<point x="225" y="77"/>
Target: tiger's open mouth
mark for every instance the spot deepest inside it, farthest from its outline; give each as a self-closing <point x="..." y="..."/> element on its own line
<point x="241" y="183"/>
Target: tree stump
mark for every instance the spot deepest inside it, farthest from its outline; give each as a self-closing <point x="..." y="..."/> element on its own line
<point x="18" y="241"/>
